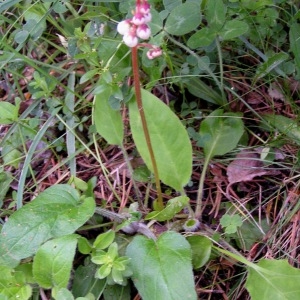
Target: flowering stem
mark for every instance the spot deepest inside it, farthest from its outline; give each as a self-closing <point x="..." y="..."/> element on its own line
<point x="137" y="87"/>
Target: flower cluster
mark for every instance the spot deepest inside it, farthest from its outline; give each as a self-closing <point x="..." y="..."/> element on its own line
<point x="137" y="27"/>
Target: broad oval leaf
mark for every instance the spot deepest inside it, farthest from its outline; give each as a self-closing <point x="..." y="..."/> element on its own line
<point x="53" y="261"/>
<point x="162" y="269"/>
<point x="233" y="29"/>
<point x="8" y="113"/>
<point x="57" y="211"/>
<point x="201" y="250"/>
<point x="170" y="141"/>
<point x="174" y="206"/>
<point x="183" y="19"/>
<point x="215" y="14"/>
<point x="203" y="37"/>
<point x="220" y="133"/>
<point x="108" y="122"/>
<point x="273" y="279"/>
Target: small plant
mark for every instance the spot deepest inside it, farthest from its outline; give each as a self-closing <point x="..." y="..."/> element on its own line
<point x="148" y="146"/>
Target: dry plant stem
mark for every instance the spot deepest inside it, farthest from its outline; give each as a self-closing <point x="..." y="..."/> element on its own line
<point x="137" y="87"/>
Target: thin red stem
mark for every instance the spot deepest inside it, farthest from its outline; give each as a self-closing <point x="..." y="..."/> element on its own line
<point x="137" y="87"/>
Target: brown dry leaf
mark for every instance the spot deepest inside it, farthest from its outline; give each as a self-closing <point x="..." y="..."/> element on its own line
<point x="246" y="166"/>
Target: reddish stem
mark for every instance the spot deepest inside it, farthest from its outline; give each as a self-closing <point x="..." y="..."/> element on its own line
<point x="137" y="87"/>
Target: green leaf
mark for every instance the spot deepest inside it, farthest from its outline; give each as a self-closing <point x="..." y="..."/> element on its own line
<point x="274" y="279"/>
<point x="6" y="4"/>
<point x="84" y="246"/>
<point x="285" y="125"/>
<point x="170" y="141"/>
<point x="269" y="65"/>
<point x="231" y="223"/>
<point x="103" y="240"/>
<point x="200" y="89"/>
<point x="108" y="122"/>
<point x="174" y="206"/>
<point x="5" y="181"/>
<point x="21" y="36"/>
<point x="294" y="37"/>
<point x="63" y="294"/>
<point x="85" y="281"/>
<point x="201" y="250"/>
<point x="53" y="261"/>
<point x="57" y="211"/>
<point x="162" y="269"/>
<point x="13" y="284"/>
<point x="220" y="133"/>
<point x="113" y="292"/>
<point x="215" y="14"/>
<point x="233" y="29"/>
<point x="8" y="113"/>
<point x="183" y="19"/>
<point x="202" y="38"/>
<point x="88" y="75"/>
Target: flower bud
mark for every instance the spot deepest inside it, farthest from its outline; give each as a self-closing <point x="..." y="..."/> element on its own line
<point x="123" y="27"/>
<point x="143" y="32"/>
<point x="143" y="8"/>
<point x="138" y="19"/>
<point x="154" y="52"/>
<point x="147" y="17"/>
<point x="130" y="39"/>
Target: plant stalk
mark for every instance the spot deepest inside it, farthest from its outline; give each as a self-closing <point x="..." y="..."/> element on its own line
<point x="138" y="94"/>
<point x="198" y="211"/>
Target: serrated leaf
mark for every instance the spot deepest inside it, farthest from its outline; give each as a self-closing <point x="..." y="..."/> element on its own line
<point x="202" y="38"/>
<point x="53" y="261"/>
<point x="285" y="125"/>
<point x="183" y="19"/>
<point x="271" y="63"/>
<point x="108" y="122"/>
<point x="13" y="285"/>
<point x="170" y="141"/>
<point x="233" y="29"/>
<point x="8" y="113"/>
<point x="174" y="206"/>
<point x="57" y="211"/>
<point x="201" y="250"/>
<point x="220" y="133"/>
<point x="162" y="269"/>
<point x="274" y="279"/>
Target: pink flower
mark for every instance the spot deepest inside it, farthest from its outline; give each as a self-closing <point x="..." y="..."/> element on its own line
<point x="154" y="52"/>
<point x="138" y="19"/>
<point x="143" y="8"/>
<point x="147" y="17"/>
<point x="123" y="27"/>
<point x="143" y="32"/>
<point x="130" y="39"/>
